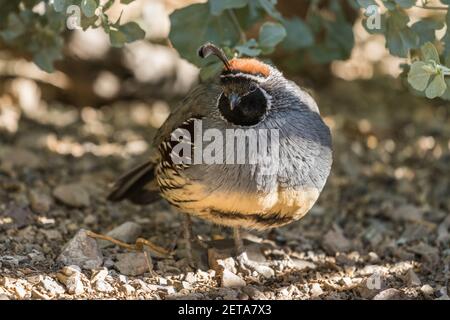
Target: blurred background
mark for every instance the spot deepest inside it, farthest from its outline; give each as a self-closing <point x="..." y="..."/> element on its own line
<point x="82" y="125"/>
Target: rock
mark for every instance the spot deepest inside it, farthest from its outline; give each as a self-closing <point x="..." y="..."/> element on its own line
<point x="427" y="290"/>
<point x="81" y="251"/>
<point x="20" y="291"/>
<point x="52" y="234"/>
<point x="73" y="195"/>
<point x="389" y="294"/>
<point x="99" y="275"/>
<point x="412" y="279"/>
<point x="334" y="241"/>
<point x="254" y="293"/>
<point x="299" y="264"/>
<point x="70" y="270"/>
<point x="3" y="297"/>
<point x="428" y="253"/>
<point x="231" y="280"/>
<point x="127" y="232"/>
<point x="406" y="212"/>
<point x="20" y="158"/>
<point x="316" y="290"/>
<point x="40" y="203"/>
<point x="103" y="286"/>
<point x="128" y="289"/>
<point x="371" y="286"/>
<point x="74" y="284"/>
<point x="190" y="277"/>
<point x="133" y="263"/>
<point x="51" y="286"/>
<point x="265" y="271"/>
<point x="220" y="260"/>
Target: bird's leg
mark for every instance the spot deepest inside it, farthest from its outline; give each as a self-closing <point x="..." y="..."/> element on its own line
<point x="187" y="233"/>
<point x="238" y="243"/>
<point x="137" y="246"/>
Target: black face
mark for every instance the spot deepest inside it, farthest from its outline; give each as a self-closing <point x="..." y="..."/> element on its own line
<point x="243" y="107"/>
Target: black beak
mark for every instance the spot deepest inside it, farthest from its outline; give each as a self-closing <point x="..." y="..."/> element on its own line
<point x="234" y="100"/>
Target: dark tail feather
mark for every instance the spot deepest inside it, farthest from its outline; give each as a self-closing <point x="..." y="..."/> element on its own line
<point x="138" y="185"/>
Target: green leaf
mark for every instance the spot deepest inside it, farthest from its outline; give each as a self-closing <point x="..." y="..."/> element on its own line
<point x="366" y="3"/>
<point x="429" y="52"/>
<point x="271" y="34"/>
<point x="211" y="70"/>
<point x="418" y="77"/>
<point x="299" y="35"/>
<point x="60" y="5"/>
<point x="193" y="25"/>
<point x="269" y="7"/>
<point x="426" y="30"/>
<point x="218" y="6"/>
<point x="117" y="38"/>
<point x="126" y="1"/>
<point x="14" y="29"/>
<point x="132" y="31"/>
<point x="250" y="48"/>
<point x="88" y="7"/>
<point x="399" y="37"/>
<point x="437" y="87"/>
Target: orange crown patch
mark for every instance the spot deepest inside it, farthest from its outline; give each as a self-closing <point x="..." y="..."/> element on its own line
<point x="251" y="66"/>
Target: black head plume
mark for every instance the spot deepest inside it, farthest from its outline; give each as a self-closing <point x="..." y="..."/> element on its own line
<point x="208" y="49"/>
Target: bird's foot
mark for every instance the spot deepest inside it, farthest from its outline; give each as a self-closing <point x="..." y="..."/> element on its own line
<point x="141" y="244"/>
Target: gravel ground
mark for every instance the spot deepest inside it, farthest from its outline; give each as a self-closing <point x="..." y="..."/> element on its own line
<point x="380" y="229"/>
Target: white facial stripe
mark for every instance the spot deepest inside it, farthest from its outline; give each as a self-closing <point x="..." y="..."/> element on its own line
<point x="244" y="75"/>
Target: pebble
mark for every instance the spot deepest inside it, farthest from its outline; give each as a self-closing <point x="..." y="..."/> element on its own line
<point x="40" y="203"/>
<point x="51" y="286"/>
<point x="82" y="251"/>
<point x="412" y="279"/>
<point x="99" y="275"/>
<point x="254" y="293"/>
<point x="133" y="263"/>
<point x="103" y="286"/>
<point x="316" y="290"/>
<point x="73" y="195"/>
<point x="389" y="294"/>
<point x="127" y="232"/>
<point x="334" y="241"/>
<point x="20" y="291"/>
<point x="427" y="290"/>
<point x="190" y="277"/>
<point x="128" y="289"/>
<point x="299" y="264"/>
<point x="231" y="280"/>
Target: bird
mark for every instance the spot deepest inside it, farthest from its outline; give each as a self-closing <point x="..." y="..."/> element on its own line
<point x="276" y="189"/>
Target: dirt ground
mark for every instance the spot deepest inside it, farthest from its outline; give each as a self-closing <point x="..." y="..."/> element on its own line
<point x="380" y="229"/>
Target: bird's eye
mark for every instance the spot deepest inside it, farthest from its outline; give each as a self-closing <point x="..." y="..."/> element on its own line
<point x="253" y="87"/>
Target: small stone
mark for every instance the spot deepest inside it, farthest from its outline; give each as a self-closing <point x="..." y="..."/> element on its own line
<point x="99" y="275"/>
<point x="406" y="212"/>
<point x="128" y="289"/>
<point x="20" y="291"/>
<point x="231" y="280"/>
<point x="427" y="290"/>
<point x="370" y="287"/>
<point x="133" y="263"/>
<point x="74" y="284"/>
<point x="412" y="279"/>
<point x="82" y="251"/>
<point x="316" y="290"/>
<point x="334" y="241"/>
<point x="190" y="277"/>
<point x="70" y="270"/>
<point x="37" y="295"/>
<point x="52" y="234"/>
<point x="299" y="264"/>
<point x="73" y="195"/>
<point x="389" y="294"/>
<point x="254" y="293"/>
<point x="40" y="203"/>
<point x="219" y="260"/>
<point x="3" y="297"/>
<point x="103" y="286"/>
<point x="265" y="271"/>
<point x="51" y="286"/>
<point x="127" y="232"/>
